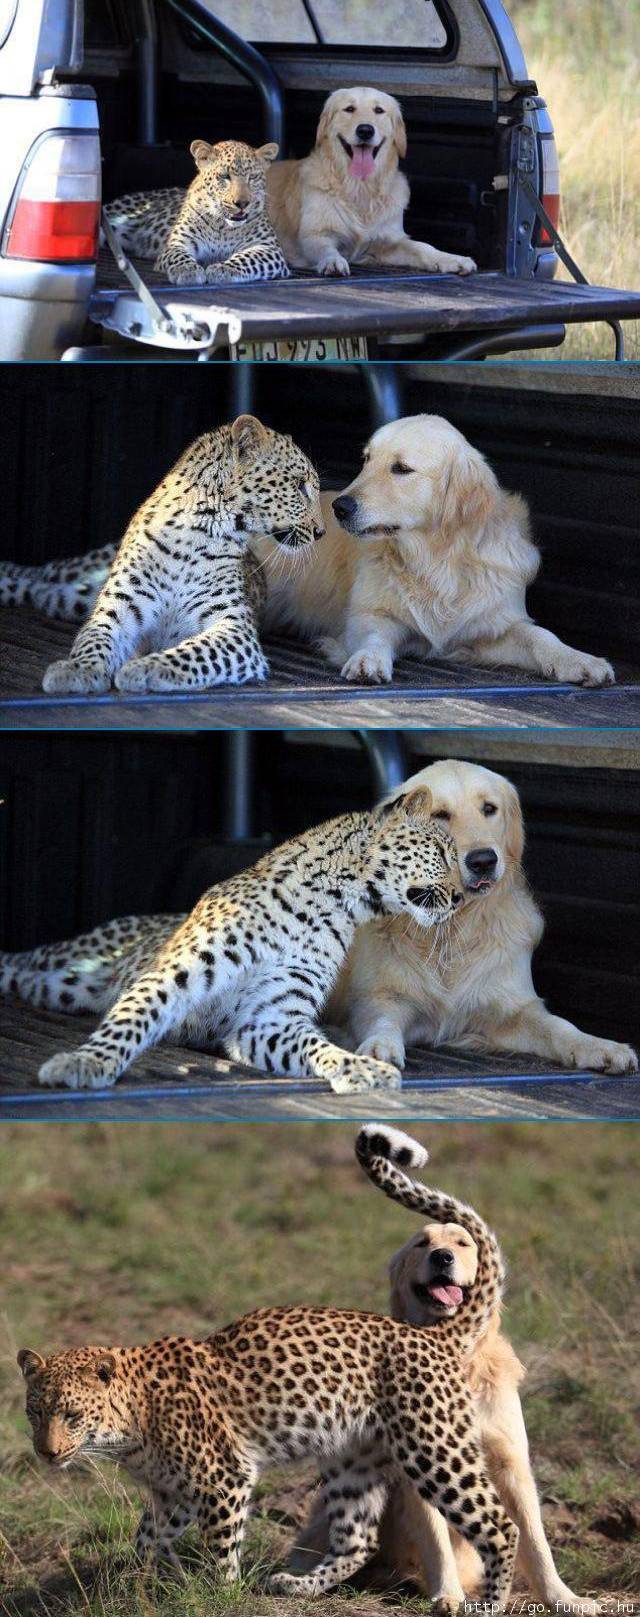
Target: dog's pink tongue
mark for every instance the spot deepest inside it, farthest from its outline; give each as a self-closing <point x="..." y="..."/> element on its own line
<point x="362" y="162"/>
<point x="451" y="1296"/>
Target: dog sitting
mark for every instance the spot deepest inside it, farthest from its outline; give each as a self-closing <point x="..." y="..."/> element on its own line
<point x="344" y="204"/>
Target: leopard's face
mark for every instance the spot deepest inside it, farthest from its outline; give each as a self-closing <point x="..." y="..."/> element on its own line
<point x="273" y="486"/>
<point x="77" y="1405"/>
<point x="233" y="178"/>
<point x="414" y="864"/>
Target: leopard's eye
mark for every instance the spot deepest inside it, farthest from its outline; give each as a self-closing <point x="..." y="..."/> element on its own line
<point x="225" y="175"/>
<point x="400" y="470"/>
<point x="440" y="814"/>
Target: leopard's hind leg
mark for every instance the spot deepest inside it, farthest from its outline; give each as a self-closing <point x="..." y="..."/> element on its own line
<point x="85" y="973"/>
<point x="354" y="1494"/>
<point x="275" y="1028"/>
<point x="60" y="589"/>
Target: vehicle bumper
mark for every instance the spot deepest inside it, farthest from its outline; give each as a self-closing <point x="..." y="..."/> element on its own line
<point x="43" y="307"/>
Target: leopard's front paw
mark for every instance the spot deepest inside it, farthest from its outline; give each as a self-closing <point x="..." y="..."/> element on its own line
<point x="71" y="677"/>
<point x="187" y="275"/>
<point x="368" y="668"/>
<point x="138" y="674"/>
<point x="359" y="1073"/>
<point x="76" y="1069"/>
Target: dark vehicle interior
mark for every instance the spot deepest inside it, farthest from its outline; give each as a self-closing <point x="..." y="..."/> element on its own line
<point x="99" y="826"/>
<point x="97" y="443"/>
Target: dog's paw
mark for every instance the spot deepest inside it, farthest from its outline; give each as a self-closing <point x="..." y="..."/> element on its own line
<point x="368" y="668"/>
<point x="578" y="668"/>
<point x="604" y="1055"/>
<point x="334" y="264"/>
<point x="387" y="1045"/>
<point x="77" y="1069"/>
<point x="455" y="264"/>
<point x="71" y="677"/>
<point x="447" y="1605"/>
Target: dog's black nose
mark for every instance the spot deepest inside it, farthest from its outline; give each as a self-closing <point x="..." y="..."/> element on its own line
<point x="344" y="507"/>
<point x="365" y="132"/>
<point x="481" y="861"/>
<point x="443" y="1258"/>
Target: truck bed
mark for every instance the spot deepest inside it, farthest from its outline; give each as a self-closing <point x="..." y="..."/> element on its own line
<point x="172" y="1082"/>
<point x="302" y="691"/>
<point x="377" y="303"/>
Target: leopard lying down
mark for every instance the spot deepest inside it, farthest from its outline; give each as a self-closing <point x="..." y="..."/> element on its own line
<point x="217" y="230"/>
<point x="254" y="963"/>
<point x="198" y="1421"/>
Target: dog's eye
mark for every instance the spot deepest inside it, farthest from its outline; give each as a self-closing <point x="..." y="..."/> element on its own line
<point x="400" y="469"/>
<point x="488" y="809"/>
<point x="379" y="110"/>
<point x="349" y="109"/>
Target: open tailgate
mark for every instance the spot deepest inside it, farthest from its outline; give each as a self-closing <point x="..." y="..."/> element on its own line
<point x="379" y="304"/>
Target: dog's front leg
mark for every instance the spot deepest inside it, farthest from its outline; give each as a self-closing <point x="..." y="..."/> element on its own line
<point x="420" y="255"/>
<point x="533" y="1030"/>
<point x="527" y="645"/>
<point x="504" y="1440"/>
<point x="371" y="641"/>
<point x="319" y="244"/>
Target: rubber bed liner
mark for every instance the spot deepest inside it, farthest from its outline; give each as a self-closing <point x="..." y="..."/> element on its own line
<point x="301" y="690"/>
<point x="371" y="302"/>
<point x="176" y="1082"/>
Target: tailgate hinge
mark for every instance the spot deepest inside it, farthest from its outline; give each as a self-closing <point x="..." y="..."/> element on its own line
<point x="178" y="328"/>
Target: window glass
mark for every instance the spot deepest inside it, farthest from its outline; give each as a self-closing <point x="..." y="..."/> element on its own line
<point x="8" y="10"/>
<point x="384" y="22"/>
<point x="275" y="22"/>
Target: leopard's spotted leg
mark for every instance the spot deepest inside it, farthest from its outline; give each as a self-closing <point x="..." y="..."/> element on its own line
<point x="180" y="264"/>
<point x="354" y="1494"/>
<point x="464" y="1495"/>
<point x="162" y="1521"/>
<point x="199" y="963"/>
<point x="222" y="1508"/>
<point x="227" y="652"/>
<point x="287" y="1043"/>
<point x="125" y="611"/>
<point x="250" y="264"/>
<point x="60" y="589"/>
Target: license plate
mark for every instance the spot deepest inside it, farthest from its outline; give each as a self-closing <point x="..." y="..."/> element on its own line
<point x="303" y="348"/>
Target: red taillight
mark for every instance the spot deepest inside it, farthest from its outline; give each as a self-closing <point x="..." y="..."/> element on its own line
<point x="54" y="230"/>
<point x="56" y="213"/>
<point x="551" y="205"/>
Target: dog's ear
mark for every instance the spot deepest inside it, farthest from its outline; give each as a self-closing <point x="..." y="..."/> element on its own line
<point x="514" y="845"/>
<point x="399" y="129"/>
<point x="469" y="491"/>
<point x="397" y="1303"/>
<point x="326" y="116"/>
<point x="200" y="152"/>
<point x="269" y="152"/>
<point x="248" y="437"/>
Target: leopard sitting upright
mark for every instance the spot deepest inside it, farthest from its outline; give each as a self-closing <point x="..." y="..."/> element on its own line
<point x="217" y="230"/>
<point x="197" y="1422"/>
<point x="254" y="963"/>
<point x="179" y="607"/>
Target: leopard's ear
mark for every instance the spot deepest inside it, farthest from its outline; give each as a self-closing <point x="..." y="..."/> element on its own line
<point x="200" y="152"/>
<point x="106" y="1367"/>
<point x="30" y="1362"/>
<point x="269" y="152"/>
<point x="248" y="437"/>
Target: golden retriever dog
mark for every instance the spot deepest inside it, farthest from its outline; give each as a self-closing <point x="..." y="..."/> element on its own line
<point x="424" y="553"/>
<point x="344" y="203"/>
<point x="429" y="1279"/>
<point x="469" y="986"/>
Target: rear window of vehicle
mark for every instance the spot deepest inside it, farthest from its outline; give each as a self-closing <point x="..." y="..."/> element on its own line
<point x="414" y="24"/>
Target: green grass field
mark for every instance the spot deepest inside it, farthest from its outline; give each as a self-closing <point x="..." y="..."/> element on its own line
<point x="585" y="58"/>
<point x="121" y="1234"/>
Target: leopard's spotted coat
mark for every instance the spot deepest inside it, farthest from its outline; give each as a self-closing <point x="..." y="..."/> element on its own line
<point x="217" y="230"/>
<point x="179" y="606"/>
<point x="254" y="963"/>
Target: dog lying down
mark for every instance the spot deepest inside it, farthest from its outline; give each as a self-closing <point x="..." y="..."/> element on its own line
<point x="425" y="554"/>
<point x="344" y="204"/>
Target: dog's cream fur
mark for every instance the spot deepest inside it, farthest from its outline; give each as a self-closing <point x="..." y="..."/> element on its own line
<point x="326" y="217"/>
<point x="436" y="562"/>
<point x="469" y="985"/>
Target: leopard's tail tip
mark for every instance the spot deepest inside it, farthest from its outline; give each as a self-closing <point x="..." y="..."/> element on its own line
<point x="379" y="1140"/>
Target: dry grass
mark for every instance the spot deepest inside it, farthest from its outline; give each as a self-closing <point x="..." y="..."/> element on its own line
<point x="585" y="57"/>
<point x="120" y="1233"/>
